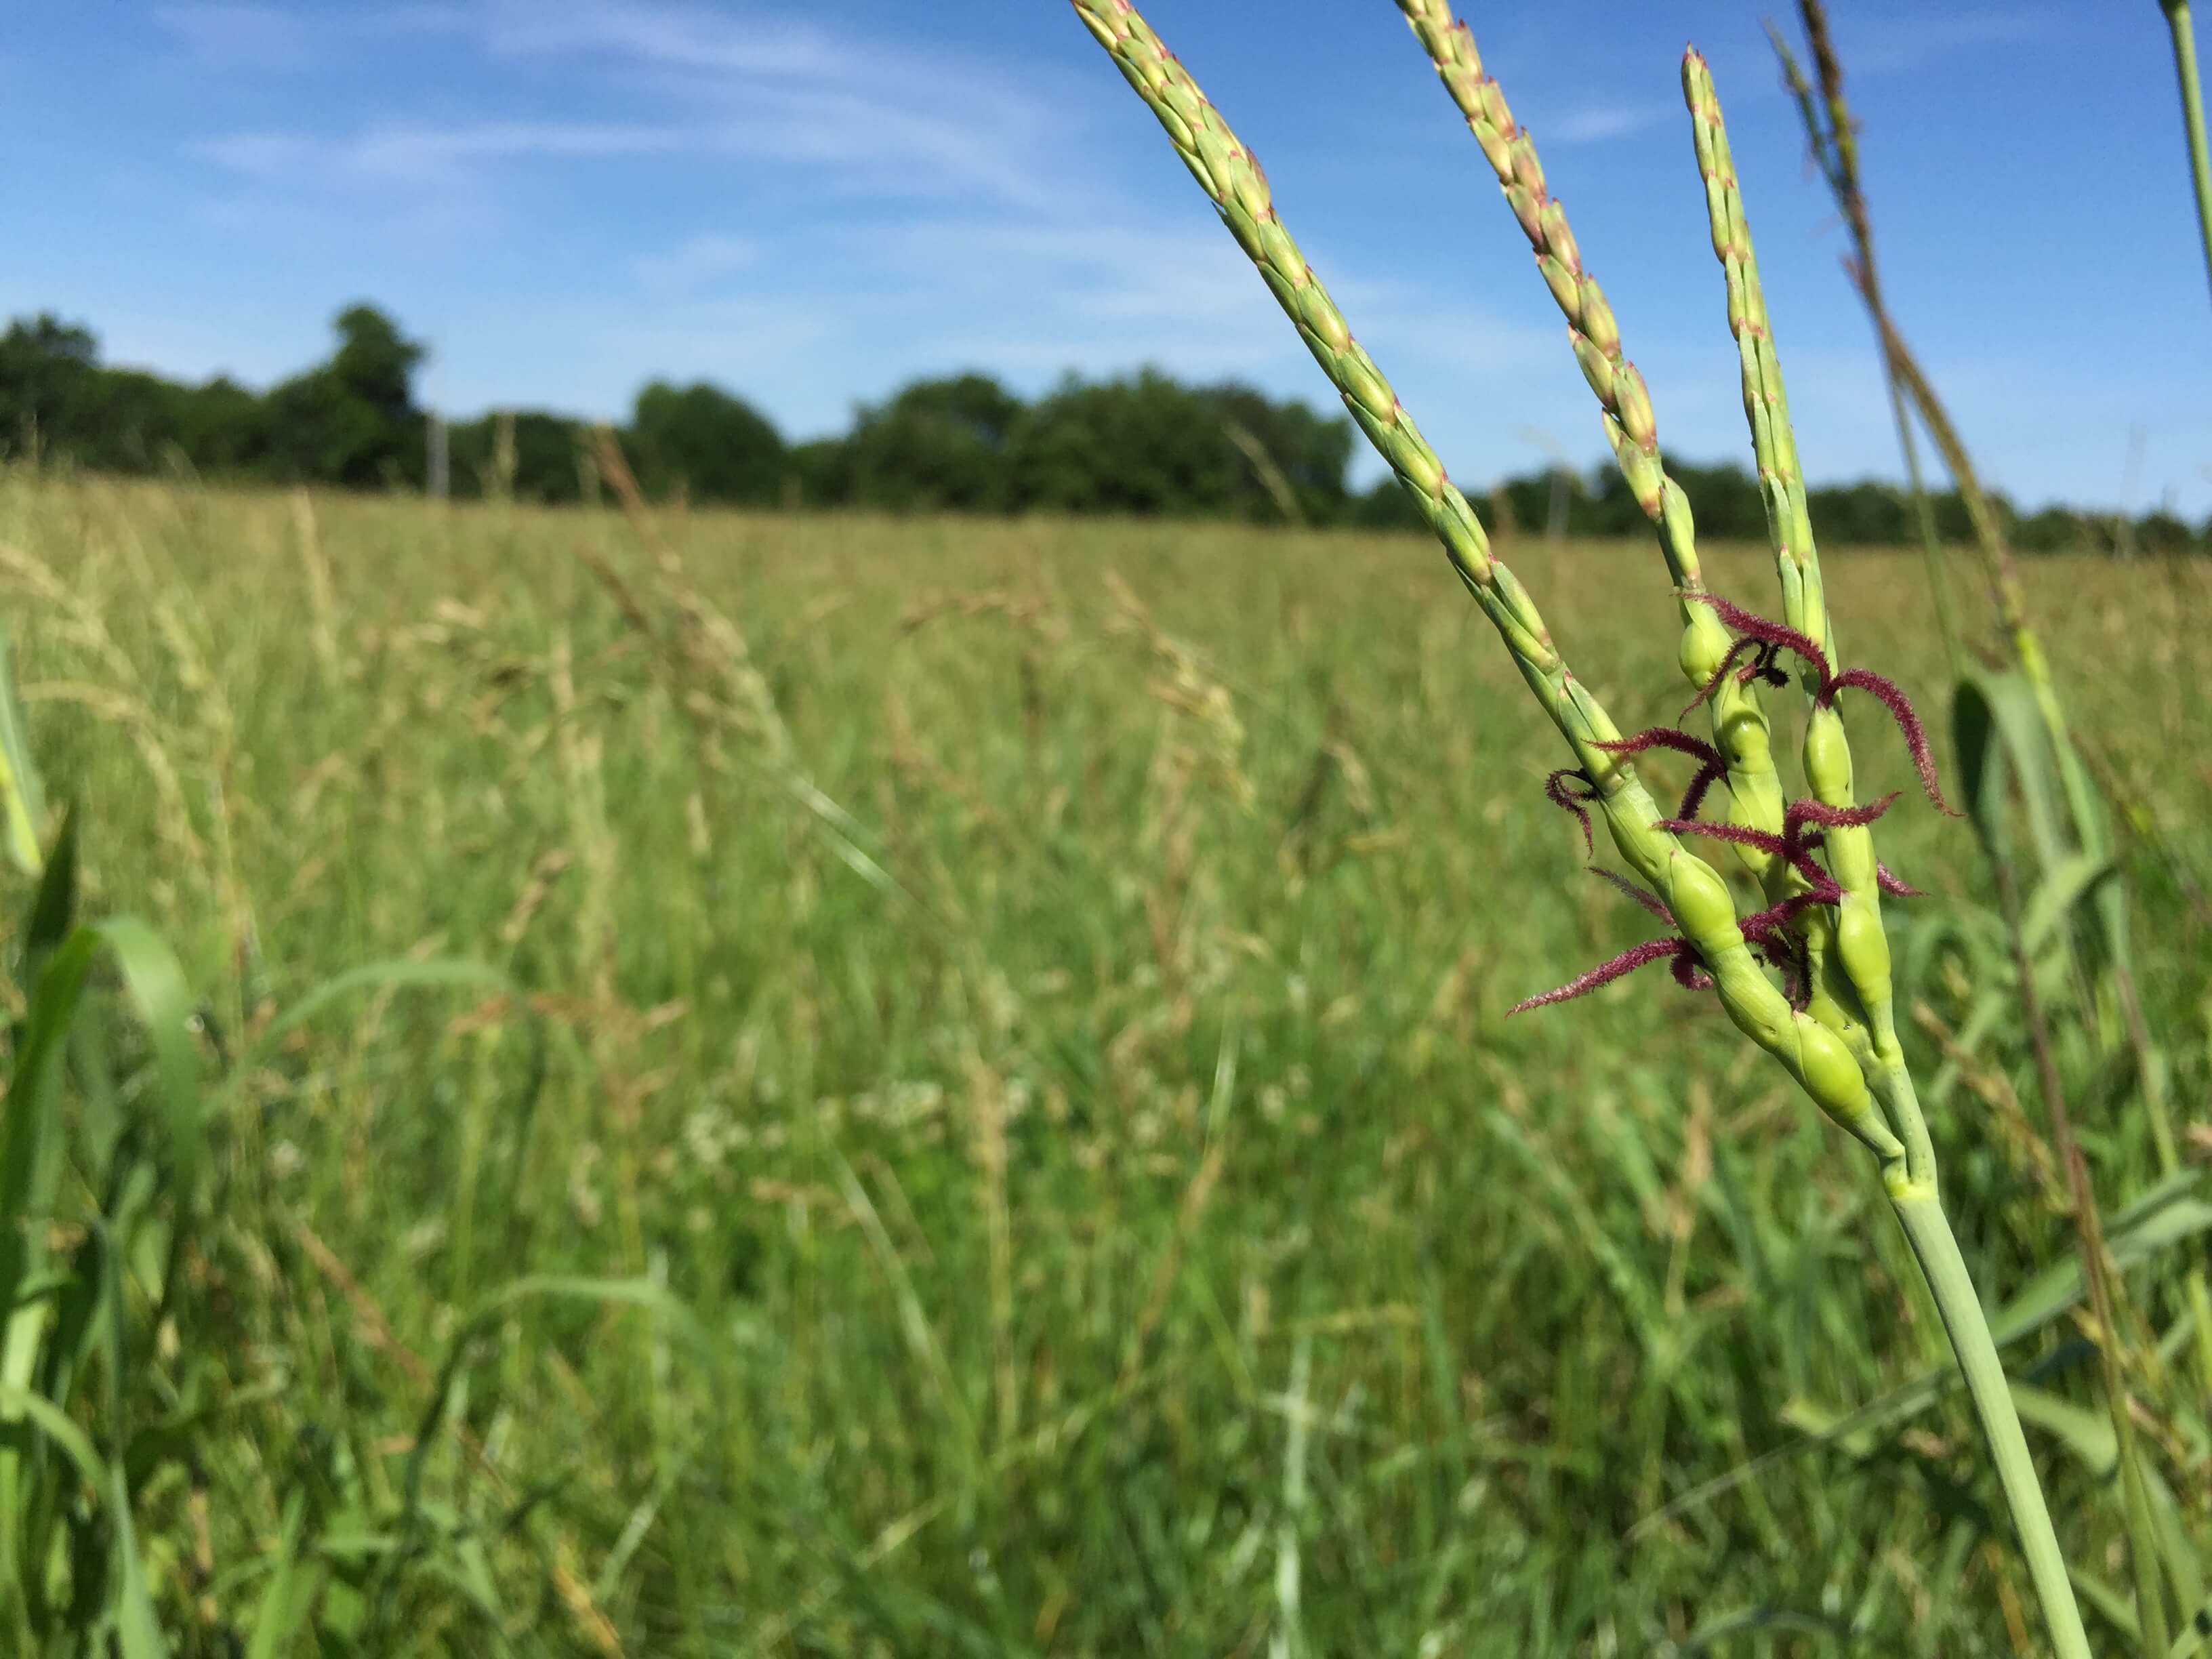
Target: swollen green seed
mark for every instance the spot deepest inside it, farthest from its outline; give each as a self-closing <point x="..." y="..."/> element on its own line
<point x="1862" y="944"/>
<point x="1828" y="757"/>
<point x="1830" y="1075"/>
<point x="1527" y="171"/>
<point x="1323" y="317"/>
<point x="1753" y="1003"/>
<point x="1704" y="642"/>
<point x="1701" y="901"/>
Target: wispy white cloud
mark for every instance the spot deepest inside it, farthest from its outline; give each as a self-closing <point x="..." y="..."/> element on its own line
<point x="749" y="44"/>
<point x="1598" y="123"/>
<point x="1871" y="43"/>
<point x="697" y="261"/>
<point x="899" y="117"/>
<point x="232" y="35"/>
<point x="416" y="154"/>
<point x="264" y="37"/>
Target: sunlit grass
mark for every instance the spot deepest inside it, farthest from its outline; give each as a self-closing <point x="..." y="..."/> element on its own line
<point x="1062" y="1074"/>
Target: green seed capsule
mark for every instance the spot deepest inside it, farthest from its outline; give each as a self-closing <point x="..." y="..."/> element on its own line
<point x="1701" y="901"/>
<point x="1525" y="208"/>
<point x="1704" y="642"/>
<point x="1863" y="947"/>
<point x="1753" y="1003"/>
<point x="1830" y="1075"/>
<point x="1828" y="757"/>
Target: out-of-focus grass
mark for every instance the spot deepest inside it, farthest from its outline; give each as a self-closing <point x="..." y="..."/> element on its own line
<point x="1064" y="1079"/>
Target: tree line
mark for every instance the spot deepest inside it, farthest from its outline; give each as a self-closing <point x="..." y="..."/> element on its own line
<point x="1141" y="444"/>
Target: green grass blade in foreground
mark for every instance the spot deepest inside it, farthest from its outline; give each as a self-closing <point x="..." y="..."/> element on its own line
<point x="22" y="802"/>
<point x="404" y="972"/>
<point x="137" y="1631"/>
<point x="31" y="1156"/>
<point x="642" y="1293"/>
<point x="287" y="1599"/>
<point x="2174" y="1214"/>
<point x="2192" y="115"/>
<point x="53" y="906"/>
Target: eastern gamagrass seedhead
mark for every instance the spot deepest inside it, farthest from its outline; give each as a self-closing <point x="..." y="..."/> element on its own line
<point x="1804" y="972"/>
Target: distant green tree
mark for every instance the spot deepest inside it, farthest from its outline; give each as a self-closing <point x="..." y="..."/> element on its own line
<point x="1148" y="444"/>
<point x="2162" y="532"/>
<point x="2053" y="530"/>
<point x="1144" y="444"/>
<point x="544" y="456"/>
<point x="1384" y="505"/>
<point x="1609" y="507"/>
<point x="701" y="439"/>
<point x="44" y="366"/>
<point x="1529" y="500"/>
<point x="123" y="420"/>
<point x="352" y="420"/>
<point x="1868" y="513"/>
<point x="819" y="473"/>
<point x="1311" y="453"/>
<point x="222" y="428"/>
<point x="938" y="445"/>
<point x="1723" y="499"/>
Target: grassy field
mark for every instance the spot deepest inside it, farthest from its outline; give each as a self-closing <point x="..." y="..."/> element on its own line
<point x="1018" y="1007"/>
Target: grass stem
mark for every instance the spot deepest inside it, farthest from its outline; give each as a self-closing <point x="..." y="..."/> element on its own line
<point x="1928" y="1230"/>
<point x="2192" y="115"/>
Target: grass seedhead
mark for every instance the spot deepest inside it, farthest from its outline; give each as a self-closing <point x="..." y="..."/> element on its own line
<point x="1766" y="639"/>
<point x="1796" y="846"/>
<point x="1766" y="930"/>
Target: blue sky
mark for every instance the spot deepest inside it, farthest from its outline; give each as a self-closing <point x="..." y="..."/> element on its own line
<point x="813" y="202"/>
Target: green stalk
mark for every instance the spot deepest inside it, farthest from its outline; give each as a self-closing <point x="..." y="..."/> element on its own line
<point x="1850" y="853"/>
<point x="2192" y="114"/>
<point x="1928" y="1230"/>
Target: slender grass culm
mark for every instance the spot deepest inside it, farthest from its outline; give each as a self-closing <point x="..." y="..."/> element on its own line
<point x="1805" y="973"/>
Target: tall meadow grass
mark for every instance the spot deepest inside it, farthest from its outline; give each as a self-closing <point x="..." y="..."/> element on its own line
<point x="1028" y="1159"/>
